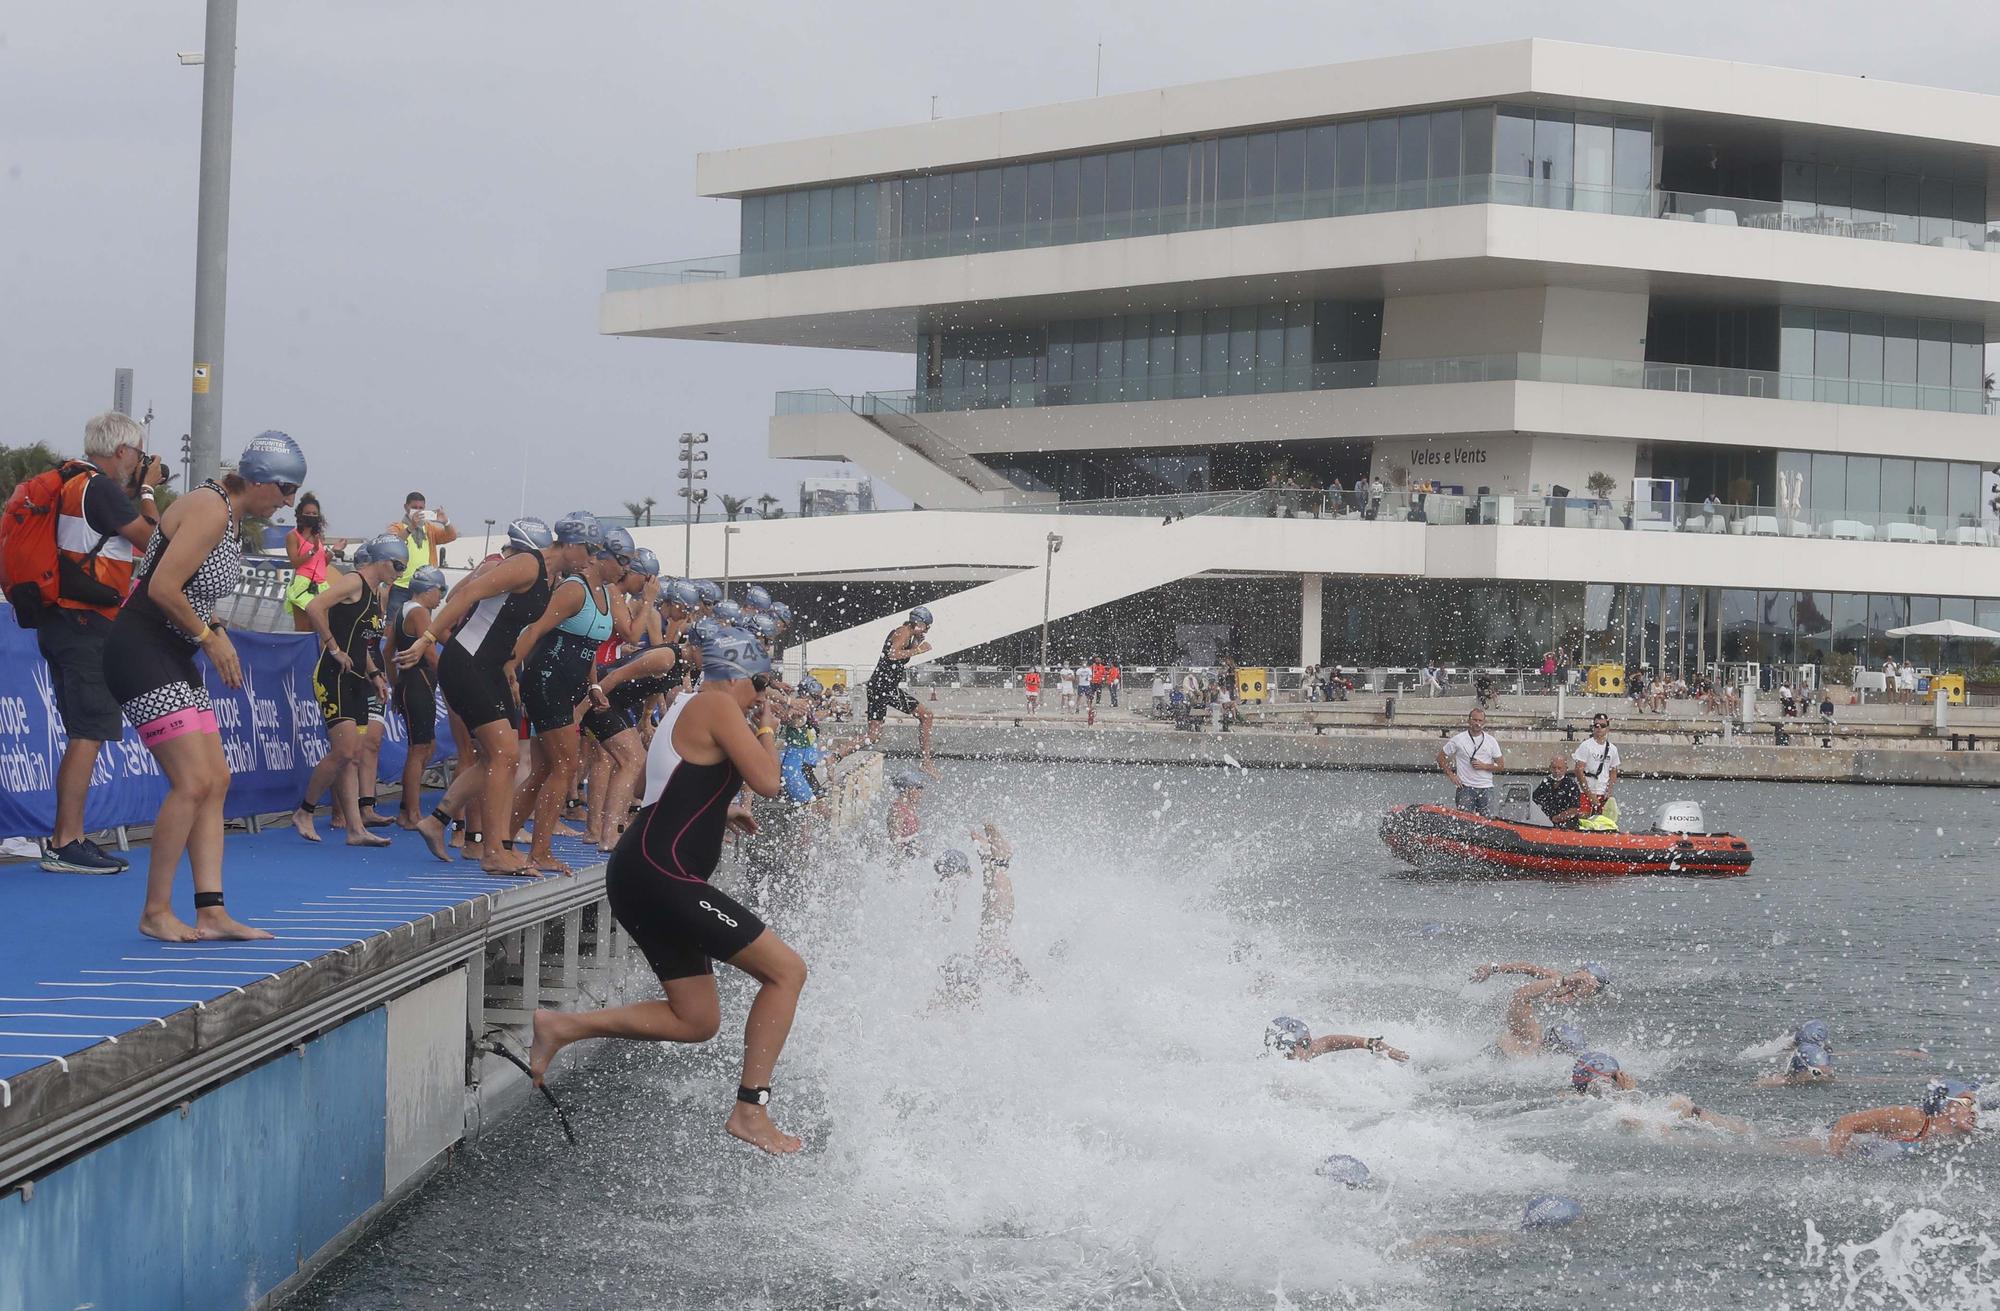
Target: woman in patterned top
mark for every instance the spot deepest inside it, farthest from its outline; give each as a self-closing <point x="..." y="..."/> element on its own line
<point x="192" y="562"/>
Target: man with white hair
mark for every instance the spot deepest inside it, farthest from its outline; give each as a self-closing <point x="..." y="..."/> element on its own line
<point x="99" y="533"/>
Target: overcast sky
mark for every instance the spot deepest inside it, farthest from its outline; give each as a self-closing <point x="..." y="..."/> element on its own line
<point x="427" y="193"/>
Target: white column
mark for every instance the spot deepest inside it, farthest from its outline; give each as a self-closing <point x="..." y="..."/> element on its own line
<point x="1309" y="618"/>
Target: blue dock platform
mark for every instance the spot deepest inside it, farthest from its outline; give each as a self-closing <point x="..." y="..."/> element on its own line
<point x="344" y="1057"/>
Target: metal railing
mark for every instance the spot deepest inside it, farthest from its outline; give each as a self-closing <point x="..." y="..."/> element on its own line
<point x="1790" y="216"/>
<point x="1645" y="375"/>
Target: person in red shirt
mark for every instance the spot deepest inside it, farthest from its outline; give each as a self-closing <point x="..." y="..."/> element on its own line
<point x="1117" y="678"/>
<point x="1099" y="676"/>
<point x="1032" y="682"/>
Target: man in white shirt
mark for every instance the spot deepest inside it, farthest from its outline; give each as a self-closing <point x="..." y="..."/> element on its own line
<point x="1596" y="764"/>
<point x="1082" y="682"/>
<point x="1468" y="759"/>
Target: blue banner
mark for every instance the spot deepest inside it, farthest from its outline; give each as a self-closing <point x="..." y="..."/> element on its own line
<point x="272" y="735"/>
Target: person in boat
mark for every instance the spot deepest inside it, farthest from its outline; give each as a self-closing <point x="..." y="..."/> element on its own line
<point x="1948" y="1108"/>
<point x="1469" y="759"/>
<point x="1596" y="764"/>
<point x="1524" y="1035"/>
<point x="1559" y="795"/>
<point x="1293" y="1040"/>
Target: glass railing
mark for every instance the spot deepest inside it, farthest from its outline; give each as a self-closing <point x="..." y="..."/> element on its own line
<point x="1638" y="374"/>
<point x="1434" y="193"/>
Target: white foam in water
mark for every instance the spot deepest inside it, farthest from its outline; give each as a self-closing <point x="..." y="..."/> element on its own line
<point x="1116" y="1133"/>
<point x="1924" y="1260"/>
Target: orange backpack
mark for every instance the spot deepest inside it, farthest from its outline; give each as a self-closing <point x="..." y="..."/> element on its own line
<point x="28" y="542"/>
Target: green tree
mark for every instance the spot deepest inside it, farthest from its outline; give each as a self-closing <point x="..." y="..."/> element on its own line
<point x="20" y="463"/>
<point x="734" y="505"/>
<point x="768" y="507"/>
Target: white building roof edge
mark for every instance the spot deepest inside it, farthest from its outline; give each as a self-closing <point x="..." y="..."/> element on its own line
<point x="1536" y="68"/>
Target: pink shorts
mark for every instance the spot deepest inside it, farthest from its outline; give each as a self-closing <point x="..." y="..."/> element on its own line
<point x="177" y="723"/>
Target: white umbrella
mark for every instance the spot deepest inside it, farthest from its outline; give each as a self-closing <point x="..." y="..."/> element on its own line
<point x="1947" y="628"/>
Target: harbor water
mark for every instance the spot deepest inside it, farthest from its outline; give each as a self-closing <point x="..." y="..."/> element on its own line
<point x="1116" y="1136"/>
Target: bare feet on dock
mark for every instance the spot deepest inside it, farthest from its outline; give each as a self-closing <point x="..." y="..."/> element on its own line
<point x="508" y="864"/>
<point x="406" y="823"/>
<point x="167" y="927"/>
<point x="366" y="839"/>
<point x="214" y="922"/>
<point x="563" y="830"/>
<point x="753" y="1125"/>
<point x="434" y="835"/>
<point x="302" y="824"/>
<point x="550" y="865"/>
<point x="551" y="1036"/>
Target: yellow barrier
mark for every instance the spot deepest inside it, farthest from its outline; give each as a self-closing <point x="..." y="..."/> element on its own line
<point x="833" y="680"/>
<point x="1605" y="680"/>
<point x="1253" y="685"/>
<point x="1951" y="685"/>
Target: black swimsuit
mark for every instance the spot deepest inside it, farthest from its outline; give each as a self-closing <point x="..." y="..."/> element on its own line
<point x="657" y="878"/>
<point x="148" y="662"/>
<point x="885" y="685"/>
<point x="472" y="671"/>
<point x="415" y="693"/>
<point x="357" y="629"/>
<point x="628" y="696"/>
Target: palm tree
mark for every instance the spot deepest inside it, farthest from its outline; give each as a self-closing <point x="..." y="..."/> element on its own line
<point x="250" y="531"/>
<point x="734" y="505"/>
<point x="649" y="503"/>
<point x="635" y="510"/>
<point x="764" y="507"/>
<point x="698" y="500"/>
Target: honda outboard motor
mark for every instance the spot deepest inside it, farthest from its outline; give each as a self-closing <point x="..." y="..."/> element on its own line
<point x="1680" y="817"/>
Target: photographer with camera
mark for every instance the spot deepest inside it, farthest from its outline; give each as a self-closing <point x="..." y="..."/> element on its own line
<point x="105" y="520"/>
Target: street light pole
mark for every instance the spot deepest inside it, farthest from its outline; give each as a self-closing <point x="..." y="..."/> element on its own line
<point x="1048" y="581"/>
<point x="690" y="458"/>
<point x="489" y="536"/>
<point x="211" y="242"/>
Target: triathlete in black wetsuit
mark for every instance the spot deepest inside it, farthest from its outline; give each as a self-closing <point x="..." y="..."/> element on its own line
<point x="885" y="685"/>
<point x="657" y="883"/>
<point x="490" y="608"/>
<point x="414" y="696"/>
<point x="347" y="616"/>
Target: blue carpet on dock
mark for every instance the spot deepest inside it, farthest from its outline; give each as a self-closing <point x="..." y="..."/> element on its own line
<point x="76" y="971"/>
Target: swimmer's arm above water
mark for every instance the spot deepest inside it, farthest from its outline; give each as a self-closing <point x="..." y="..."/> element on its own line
<point x="1348" y="1042"/>
<point x="1905" y="1122"/>
<point x="1485" y="972"/>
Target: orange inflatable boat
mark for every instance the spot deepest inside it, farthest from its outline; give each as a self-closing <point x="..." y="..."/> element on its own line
<point x="1442" y="838"/>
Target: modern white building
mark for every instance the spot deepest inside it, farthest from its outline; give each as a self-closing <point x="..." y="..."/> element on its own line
<point x="1682" y="357"/>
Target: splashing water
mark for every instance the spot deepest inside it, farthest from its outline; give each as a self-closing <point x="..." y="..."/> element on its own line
<point x="1112" y="1135"/>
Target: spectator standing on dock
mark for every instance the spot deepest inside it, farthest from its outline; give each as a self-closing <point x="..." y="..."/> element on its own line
<point x="657" y="884"/>
<point x="1469" y="758"/>
<point x="1066" y="687"/>
<point x="1116" y="677"/>
<point x="191" y="563"/>
<point x="309" y="549"/>
<point x="1162" y="690"/>
<point x="1085" y="676"/>
<point x="1031" y="683"/>
<point x="99" y="532"/>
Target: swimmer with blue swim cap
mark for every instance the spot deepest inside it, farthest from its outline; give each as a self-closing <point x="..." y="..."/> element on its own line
<point x="1293" y="1040"/>
<point x="1347" y="1171"/>
<point x="1947" y="1108"/>
<point x="1523" y="1035"/>
<point x="1548" y="1211"/>
<point x="992" y="961"/>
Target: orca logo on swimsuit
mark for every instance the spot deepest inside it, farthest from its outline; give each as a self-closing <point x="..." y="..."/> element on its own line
<point x="719" y="915"/>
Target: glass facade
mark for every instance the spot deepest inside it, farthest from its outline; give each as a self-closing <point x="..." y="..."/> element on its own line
<point x="1460" y="156"/>
<point x="1826" y="484"/>
<point x="1227" y="351"/>
<point x="1845" y="357"/>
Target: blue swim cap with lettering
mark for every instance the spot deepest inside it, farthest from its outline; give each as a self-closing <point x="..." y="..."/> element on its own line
<point x="781" y="612"/>
<point x="617" y="542"/>
<point x="1287" y="1034"/>
<point x="682" y="593"/>
<point x="425" y="579"/>
<point x="388" y="547"/>
<point x="579" y="529"/>
<point x="756" y="598"/>
<point x="1551" y="1212"/>
<point x="921" y="615"/>
<point x="732" y="654"/>
<point x="729" y="612"/>
<point x="710" y="592"/>
<point x="1814" y="1032"/>
<point x="1590" y="1067"/>
<point x="272" y="457"/>
<point x="645" y="562"/>
<point x="529" y="534"/>
<point x="763" y="626"/>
